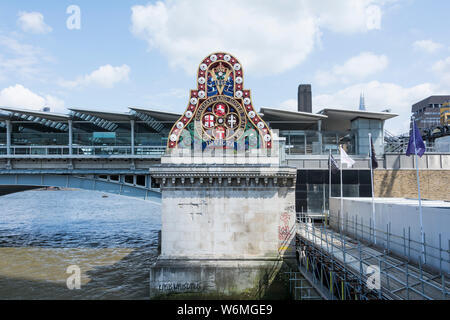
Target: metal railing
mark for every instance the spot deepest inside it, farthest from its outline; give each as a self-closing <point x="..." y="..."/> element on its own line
<point x="340" y="264"/>
<point x="401" y="146"/>
<point x="301" y="288"/>
<point x="84" y="150"/>
<point x="401" y="245"/>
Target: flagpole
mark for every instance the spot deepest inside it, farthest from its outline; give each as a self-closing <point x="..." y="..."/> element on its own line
<point x="342" y="200"/>
<point x="329" y="181"/>
<point x="418" y="189"/>
<point x="371" y="182"/>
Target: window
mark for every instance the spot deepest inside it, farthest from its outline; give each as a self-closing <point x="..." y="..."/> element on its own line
<point x="140" y="180"/>
<point x="154" y="184"/>
<point x="129" y="179"/>
<point x="312" y="188"/>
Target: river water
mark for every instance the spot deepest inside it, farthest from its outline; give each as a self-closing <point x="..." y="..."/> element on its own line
<point x="111" y="239"/>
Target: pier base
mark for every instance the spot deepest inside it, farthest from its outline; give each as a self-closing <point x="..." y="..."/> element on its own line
<point x="213" y="279"/>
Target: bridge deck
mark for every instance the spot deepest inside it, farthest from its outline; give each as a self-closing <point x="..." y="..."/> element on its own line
<point x="74" y="180"/>
<point x="398" y="278"/>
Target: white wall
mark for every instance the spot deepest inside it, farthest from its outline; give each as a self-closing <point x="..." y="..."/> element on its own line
<point x="226" y="221"/>
<point x="401" y="214"/>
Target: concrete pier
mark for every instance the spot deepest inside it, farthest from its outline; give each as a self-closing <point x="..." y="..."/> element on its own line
<point x="226" y="229"/>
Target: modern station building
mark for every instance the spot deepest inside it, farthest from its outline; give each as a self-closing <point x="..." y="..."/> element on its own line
<point x="93" y="132"/>
<point x="307" y="137"/>
<point x="427" y="112"/>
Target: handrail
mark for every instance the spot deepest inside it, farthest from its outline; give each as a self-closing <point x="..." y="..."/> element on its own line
<point x="82" y="150"/>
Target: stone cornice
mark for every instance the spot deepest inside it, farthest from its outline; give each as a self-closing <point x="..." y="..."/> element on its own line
<point x="223" y="175"/>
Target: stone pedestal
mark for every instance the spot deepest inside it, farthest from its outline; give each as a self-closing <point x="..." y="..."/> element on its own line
<point x="212" y="279"/>
<point x="225" y="229"/>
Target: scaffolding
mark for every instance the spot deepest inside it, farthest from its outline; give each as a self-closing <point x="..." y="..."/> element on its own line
<point x="399" y="143"/>
<point x="350" y="266"/>
<point x="301" y="288"/>
<point x="430" y="257"/>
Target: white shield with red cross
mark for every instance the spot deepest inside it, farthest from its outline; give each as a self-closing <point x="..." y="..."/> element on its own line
<point x="219" y="133"/>
<point x="208" y="121"/>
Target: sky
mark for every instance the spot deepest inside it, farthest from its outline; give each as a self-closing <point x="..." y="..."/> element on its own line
<point x="111" y="55"/>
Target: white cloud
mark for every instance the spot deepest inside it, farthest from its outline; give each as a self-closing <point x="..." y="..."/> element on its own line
<point x="379" y="96"/>
<point x="384" y="95"/>
<point x="355" y="68"/>
<point x="105" y="76"/>
<point x="290" y="104"/>
<point x="33" y="22"/>
<point x="20" y="60"/>
<point x="428" y="46"/>
<point x="442" y="69"/>
<point x="20" y="97"/>
<point x="55" y="104"/>
<point x="268" y="37"/>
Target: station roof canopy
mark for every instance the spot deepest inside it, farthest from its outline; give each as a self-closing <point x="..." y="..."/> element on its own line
<point x="290" y="120"/>
<point x="155" y="119"/>
<point x="274" y="115"/>
<point x="51" y="120"/>
<point x="353" y="114"/>
<point x="161" y="116"/>
<point x="4" y="115"/>
<point x="110" y="116"/>
<point x="36" y="114"/>
<point x="340" y="119"/>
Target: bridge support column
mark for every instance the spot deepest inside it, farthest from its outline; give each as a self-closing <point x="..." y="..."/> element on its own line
<point x="227" y="230"/>
<point x="8" y="137"/>
<point x="132" y="136"/>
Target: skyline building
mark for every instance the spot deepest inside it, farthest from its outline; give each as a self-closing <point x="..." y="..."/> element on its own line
<point x="362" y="103"/>
<point x="427" y="112"/>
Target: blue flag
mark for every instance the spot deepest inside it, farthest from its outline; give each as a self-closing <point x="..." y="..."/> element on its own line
<point x="415" y="142"/>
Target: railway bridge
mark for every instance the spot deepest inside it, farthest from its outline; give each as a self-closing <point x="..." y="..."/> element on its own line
<point x="127" y="175"/>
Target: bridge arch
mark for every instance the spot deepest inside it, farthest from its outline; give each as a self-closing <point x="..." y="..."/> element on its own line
<point x="92" y="183"/>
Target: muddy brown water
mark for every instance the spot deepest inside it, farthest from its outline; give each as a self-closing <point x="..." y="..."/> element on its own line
<point x="111" y="239"/>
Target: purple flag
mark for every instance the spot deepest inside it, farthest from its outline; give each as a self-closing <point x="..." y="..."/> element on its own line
<point x="415" y="142"/>
<point x="334" y="166"/>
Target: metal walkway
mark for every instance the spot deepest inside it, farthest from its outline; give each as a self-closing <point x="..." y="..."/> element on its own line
<point x="302" y="288"/>
<point x="344" y="268"/>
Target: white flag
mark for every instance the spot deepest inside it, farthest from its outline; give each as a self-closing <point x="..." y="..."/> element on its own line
<point x="345" y="158"/>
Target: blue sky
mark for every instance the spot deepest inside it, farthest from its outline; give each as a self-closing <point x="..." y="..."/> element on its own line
<point x="144" y="53"/>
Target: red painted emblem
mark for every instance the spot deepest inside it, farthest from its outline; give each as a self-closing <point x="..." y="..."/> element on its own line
<point x="220" y="133"/>
<point x="208" y="121"/>
<point x="219" y="109"/>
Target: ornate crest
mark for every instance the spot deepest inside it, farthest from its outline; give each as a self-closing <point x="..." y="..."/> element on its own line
<point x="220" y="112"/>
